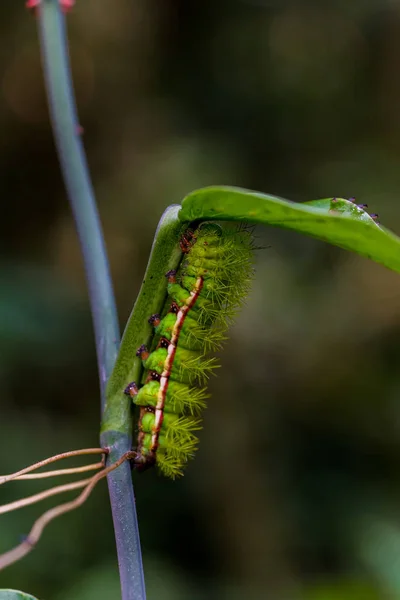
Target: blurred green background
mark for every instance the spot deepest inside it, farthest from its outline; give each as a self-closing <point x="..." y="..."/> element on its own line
<point x="295" y="491"/>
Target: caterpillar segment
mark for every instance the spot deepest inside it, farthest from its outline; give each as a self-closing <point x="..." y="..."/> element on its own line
<point x="204" y="294"/>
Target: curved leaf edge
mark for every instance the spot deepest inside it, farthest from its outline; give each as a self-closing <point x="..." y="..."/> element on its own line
<point x="338" y="221"/>
<point x="15" y="595"/>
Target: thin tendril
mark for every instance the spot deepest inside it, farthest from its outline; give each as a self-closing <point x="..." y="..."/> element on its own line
<point x="29" y="543"/>
<point x="48" y="461"/>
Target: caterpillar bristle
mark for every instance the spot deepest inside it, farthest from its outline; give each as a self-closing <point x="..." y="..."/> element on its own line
<point x="192" y="401"/>
<point x="210" y="340"/>
<point x="182" y="429"/>
<point x="169" y="467"/>
<point x="205" y="294"/>
<point x="198" y="370"/>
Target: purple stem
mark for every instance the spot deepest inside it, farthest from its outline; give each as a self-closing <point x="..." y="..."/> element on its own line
<point x="54" y="49"/>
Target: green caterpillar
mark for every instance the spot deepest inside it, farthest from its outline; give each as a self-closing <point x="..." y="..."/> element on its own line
<point x="204" y="294"/>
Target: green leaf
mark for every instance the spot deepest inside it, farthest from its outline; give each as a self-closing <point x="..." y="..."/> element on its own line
<point x="15" y="595"/>
<point x="334" y="220"/>
<point x="165" y="255"/>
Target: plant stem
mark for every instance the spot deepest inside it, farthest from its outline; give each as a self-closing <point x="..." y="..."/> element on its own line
<point x="77" y="181"/>
<point x="54" y="48"/>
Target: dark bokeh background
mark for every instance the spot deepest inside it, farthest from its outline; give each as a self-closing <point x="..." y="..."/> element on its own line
<point x="295" y="491"/>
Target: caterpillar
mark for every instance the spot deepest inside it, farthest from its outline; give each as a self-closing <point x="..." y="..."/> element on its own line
<point x="204" y="294"/>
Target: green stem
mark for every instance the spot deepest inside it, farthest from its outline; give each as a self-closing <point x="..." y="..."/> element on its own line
<point x="54" y="48"/>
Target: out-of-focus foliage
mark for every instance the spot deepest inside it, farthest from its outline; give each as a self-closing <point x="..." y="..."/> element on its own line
<point x="343" y="591"/>
<point x="295" y="489"/>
